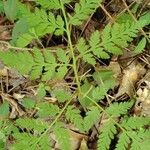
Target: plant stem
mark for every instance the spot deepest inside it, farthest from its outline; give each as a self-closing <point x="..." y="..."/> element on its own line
<point x="71" y="48"/>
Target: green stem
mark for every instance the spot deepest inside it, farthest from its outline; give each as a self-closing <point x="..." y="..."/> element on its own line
<point x="71" y="47"/>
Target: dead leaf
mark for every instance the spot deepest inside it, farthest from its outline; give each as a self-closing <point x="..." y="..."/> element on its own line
<point x="130" y="76"/>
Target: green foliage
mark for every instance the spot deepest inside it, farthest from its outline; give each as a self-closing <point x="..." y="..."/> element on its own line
<point x="132" y="129"/>
<point x="62" y="136"/>
<point x="105" y="81"/>
<point x="106" y="135"/>
<point x="85" y="54"/>
<point x="92" y="116"/>
<point x="1" y="7"/>
<point x="62" y="95"/>
<point x="38" y="64"/>
<point x="135" y="122"/>
<point x="123" y="142"/>
<point x="73" y="115"/>
<point x="31" y="124"/>
<point x="83" y="10"/>
<point x="140" y="47"/>
<point x="52" y="4"/>
<point x="10" y="9"/>
<point x="118" y="109"/>
<point x="47" y="110"/>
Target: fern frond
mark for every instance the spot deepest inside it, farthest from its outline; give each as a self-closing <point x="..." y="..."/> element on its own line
<point x="49" y="4"/>
<point x="135" y="122"/>
<point x="62" y="136"/>
<point x="123" y="142"/>
<point x="134" y="134"/>
<point x="92" y="116"/>
<point x="28" y="140"/>
<point x="19" y="62"/>
<point x="61" y="95"/>
<point x="83" y="48"/>
<point x="83" y="10"/>
<point x="38" y="64"/>
<point x="117" y="109"/>
<point x="106" y="135"/>
<point x="24" y="141"/>
<point x="117" y="36"/>
<point x="62" y="56"/>
<point x="96" y="46"/>
<point x="47" y="110"/>
<point x="52" y="4"/>
<point x="72" y="114"/>
<point x="50" y="65"/>
<point x="32" y="124"/>
<point x="42" y="24"/>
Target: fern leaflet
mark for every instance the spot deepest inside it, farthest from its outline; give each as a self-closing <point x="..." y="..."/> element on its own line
<point x="83" y="9"/>
<point x="106" y="134"/>
<point x="135" y="122"/>
<point x="91" y="118"/>
<point x="117" y="109"/>
<point x="123" y="142"/>
<point x="62" y="136"/>
<point x="73" y="115"/>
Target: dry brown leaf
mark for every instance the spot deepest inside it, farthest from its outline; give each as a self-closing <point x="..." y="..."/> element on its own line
<point x="130" y="76"/>
<point x="143" y="97"/>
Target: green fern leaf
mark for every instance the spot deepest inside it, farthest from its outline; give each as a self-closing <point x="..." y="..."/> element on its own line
<point x="10" y="9"/>
<point x="96" y="46"/>
<point x="20" y="28"/>
<point x="31" y="124"/>
<point x="49" y="4"/>
<point x="61" y="72"/>
<point x="47" y="110"/>
<point x="37" y="68"/>
<point x="106" y="134"/>
<point x="62" y="136"/>
<point x="52" y="4"/>
<point x="84" y="100"/>
<point x="42" y="24"/>
<point x="99" y="93"/>
<point x="1" y="7"/>
<point x="72" y="114"/>
<point x="140" y="47"/>
<point x="26" y="38"/>
<point x="24" y="141"/>
<point x="117" y="109"/>
<point x="91" y="118"/>
<point x="62" y="95"/>
<point x="22" y="61"/>
<point x="117" y="36"/>
<point x="28" y="140"/>
<point x="50" y="65"/>
<point x="123" y="142"/>
<point x="85" y="54"/>
<point x="135" y="122"/>
<point x="83" y="10"/>
<point x="62" y="56"/>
